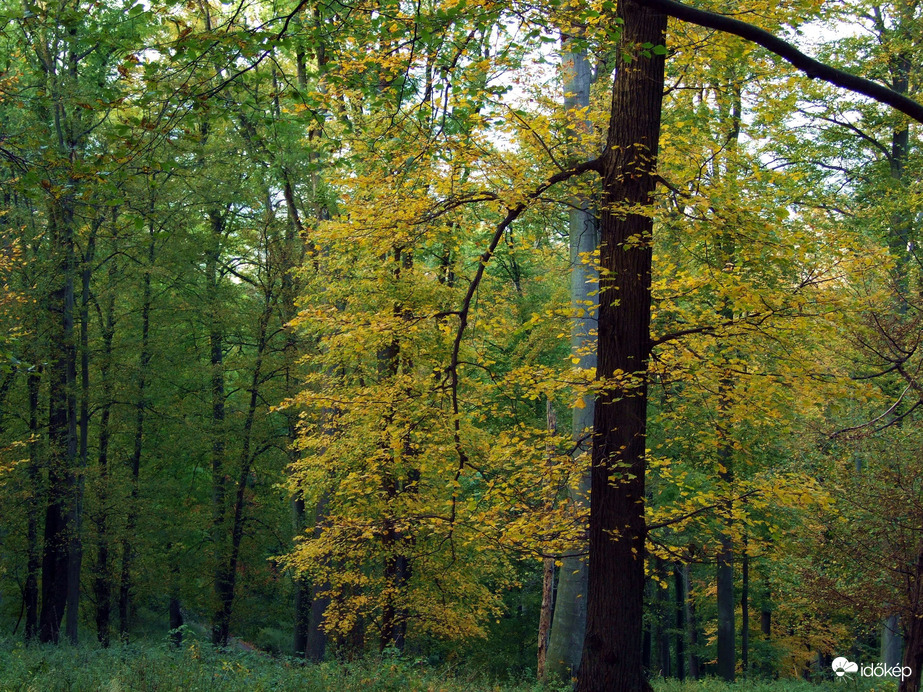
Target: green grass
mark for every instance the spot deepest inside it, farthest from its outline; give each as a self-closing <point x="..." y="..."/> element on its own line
<point x="153" y="666"/>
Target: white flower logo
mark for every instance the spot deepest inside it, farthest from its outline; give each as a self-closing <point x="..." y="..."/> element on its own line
<point x="842" y="665"/>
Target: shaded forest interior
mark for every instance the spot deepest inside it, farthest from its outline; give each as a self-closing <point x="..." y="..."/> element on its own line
<point x="550" y="337"/>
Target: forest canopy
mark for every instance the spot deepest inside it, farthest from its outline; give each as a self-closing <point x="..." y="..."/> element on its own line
<point x="570" y="339"/>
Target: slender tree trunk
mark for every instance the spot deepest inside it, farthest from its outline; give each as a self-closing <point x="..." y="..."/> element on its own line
<point x="396" y="543"/>
<point x="302" y="589"/>
<point x="726" y="606"/>
<point x="545" y="615"/>
<point x="617" y="526"/>
<point x="126" y="585"/>
<point x="317" y="636"/>
<point x="565" y="645"/>
<point x="102" y="584"/>
<point x="216" y="363"/>
<point x="692" y="628"/>
<point x="745" y="610"/>
<point x="33" y="561"/>
<point x="75" y="549"/>
<point x="679" y="602"/>
<point x="227" y="572"/>
<point x="664" y="621"/>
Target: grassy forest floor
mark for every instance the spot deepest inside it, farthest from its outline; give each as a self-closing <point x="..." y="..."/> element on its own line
<point x="155" y="666"/>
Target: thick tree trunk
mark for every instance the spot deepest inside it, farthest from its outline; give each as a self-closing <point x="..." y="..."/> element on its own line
<point x="62" y="428"/>
<point x="891" y="641"/>
<point x="617" y="526"/>
<point x="568" y="627"/>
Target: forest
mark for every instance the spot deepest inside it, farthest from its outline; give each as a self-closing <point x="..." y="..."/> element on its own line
<point x="566" y="344"/>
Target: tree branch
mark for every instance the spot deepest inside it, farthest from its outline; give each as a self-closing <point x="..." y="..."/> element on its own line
<point x="811" y="67"/>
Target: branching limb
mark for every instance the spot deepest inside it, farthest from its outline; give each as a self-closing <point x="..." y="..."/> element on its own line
<point x="811" y="67"/>
<point x="512" y="214"/>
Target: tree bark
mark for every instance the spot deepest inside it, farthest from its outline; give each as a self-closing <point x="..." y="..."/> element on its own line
<point x="679" y="602"/>
<point x="33" y="562"/>
<point x="227" y="571"/>
<point x="692" y="628"/>
<point x="102" y="583"/>
<point x="126" y="585"/>
<point x="545" y="614"/>
<point x="568" y="627"/>
<point x="62" y="427"/>
<point x="617" y="526"/>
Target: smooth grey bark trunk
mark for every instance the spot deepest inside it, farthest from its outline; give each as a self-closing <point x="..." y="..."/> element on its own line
<point x="892" y="641"/>
<point x="565" y="643"/>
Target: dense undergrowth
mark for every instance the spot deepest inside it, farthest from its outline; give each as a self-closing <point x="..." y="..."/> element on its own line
<point x="196" y="666"/>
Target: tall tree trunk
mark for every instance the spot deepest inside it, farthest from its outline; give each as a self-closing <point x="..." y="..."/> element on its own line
<point x="62" y="427"/>
<point x="679" y="603"/>
<point x="126" y="585"/>
<point x="396" y="542"/>
<point x="545" y="615"/>
<point x="33" y="381"/>
<point x="913" y="628"/>
<point x="745" y="610"/>
<point x="302" y="589"/>
<point x="216" y="367"/>
<point x="75" y="549"/>
<point x="226" y="576"/>
<point x="617" y="526"/>
<point x="727" y="660"/>
<point x="892" y="643"/>
<point x="692" y="628"/>
<point x="102" y="583"/>
<point x="317" y="636"/>
<point x="664" y="621"/>
<point x="568" y="627"/>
